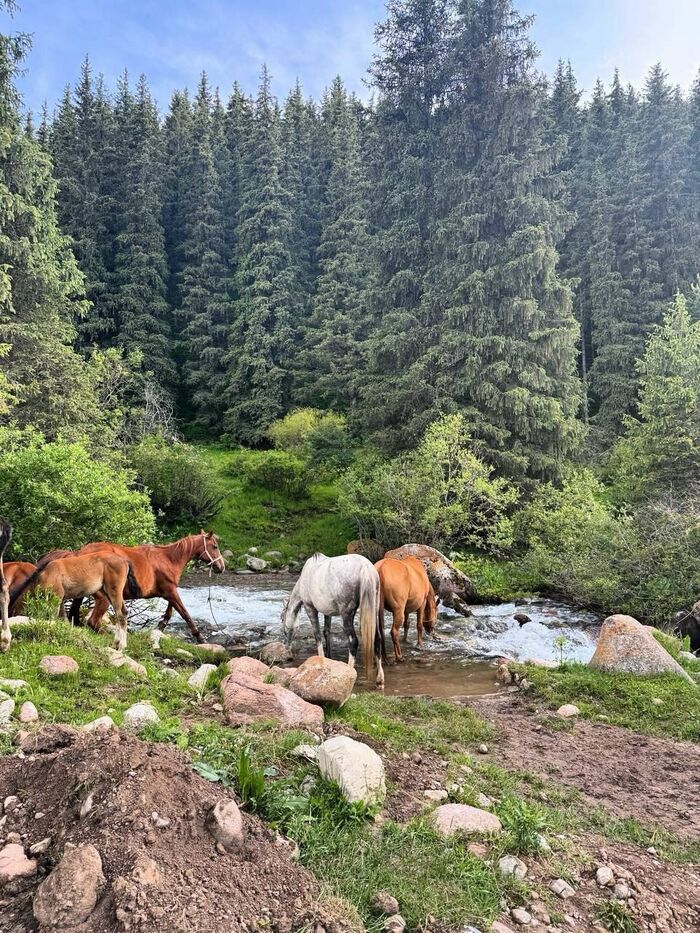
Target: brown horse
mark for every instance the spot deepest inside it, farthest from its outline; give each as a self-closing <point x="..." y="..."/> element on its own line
<point x="18" y="570"/>
<point x="405" y="588"/>
<point x="156" y="571"/>
<point x="5" y="538"/>
<point x="98" y="575"/>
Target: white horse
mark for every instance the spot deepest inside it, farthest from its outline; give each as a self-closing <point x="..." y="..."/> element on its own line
<point x="337" y="586"/>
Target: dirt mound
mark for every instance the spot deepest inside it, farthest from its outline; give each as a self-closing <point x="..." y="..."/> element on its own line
<point x="137" y="802"/>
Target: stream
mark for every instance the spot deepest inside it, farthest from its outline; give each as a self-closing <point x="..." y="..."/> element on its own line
<point x="456" y="661"/>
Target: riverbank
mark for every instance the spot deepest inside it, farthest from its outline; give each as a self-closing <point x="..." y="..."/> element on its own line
<point x="599" y="795"/>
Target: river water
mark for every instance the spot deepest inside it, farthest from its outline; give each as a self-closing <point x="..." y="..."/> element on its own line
<point x="453" y="662"/>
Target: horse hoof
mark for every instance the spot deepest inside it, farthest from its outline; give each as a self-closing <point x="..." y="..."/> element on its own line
<point x="199" y="638"/>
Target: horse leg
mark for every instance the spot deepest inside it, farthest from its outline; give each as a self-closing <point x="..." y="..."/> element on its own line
<point x="173" y="597"/>
<point x="327" y="633"/>
<point x="398" y="614"/>
<point x="167" y="616"/>
<point x="121" y="618"/>
<point x="406" y="624"/>
<point x="420" y="614"/>
<point x="353" y="641"/>
<point x="97" y="613"/>
<point x="5" y="633"/>
<point x="313" y="617"/>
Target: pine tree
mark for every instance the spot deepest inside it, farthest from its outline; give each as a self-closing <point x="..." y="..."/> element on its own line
<point x="262" y="334"/>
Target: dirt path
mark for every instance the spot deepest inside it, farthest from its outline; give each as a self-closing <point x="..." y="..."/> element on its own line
<point x="651" y="779"/>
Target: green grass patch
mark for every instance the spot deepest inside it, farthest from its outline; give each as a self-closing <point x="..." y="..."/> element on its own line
<point x="271" y="519"/>
<point x="623" y="699"/>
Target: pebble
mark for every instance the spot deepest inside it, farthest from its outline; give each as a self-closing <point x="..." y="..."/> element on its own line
<point x="437" y="795"/>
<point x="622" y="891"/>
<point x="483" y="801"/>
<point x="605" y="876"/>
<point x="198" y="680"/>
<point x="138" y="715"/>
<point x="561" y="888"/>
<point x="512" y="867"/>
<point x="309" y="752"/>
<point x="99" y="725"/>
<point x="416" y="758"/>
<point x="160" y="822"/>
<point x="521" y="916"/>
<point x="478" y="849"/>
<point x="483" y="749"/>
<point x="225" y="823"/>
<point x="394" y="924"/>
<point x="657" y="702"/>
<point x="56" y="665"/>
<point x="40" y="847"/>
<point x="568" y="711"/>
<point x="10" y="803"/>
<point x="382" y="902"/>
<point x="28" y="712"/>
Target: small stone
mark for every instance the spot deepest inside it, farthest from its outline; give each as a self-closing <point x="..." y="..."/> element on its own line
<point x="437" y="795"/>
<point x="512" y="867"/>
<point x="521" y="916"/>
<point x="452" y="818"/>
<point x="275" y="652"/>
<point x="382" y="902"/>
<point x="416" y="758"/>
<point x="568" y="711"/>
<point x="483" y="749"/>
<point x="28" y="712"/>
<point x="7" y="708"/>
<point x="394" y="924"/>
<point x="10" y="804"/>
<point x="483" y="801"/>
<point x="622" y="891"/>
<point x="7" y="683"/>
<point x="160" y="822"/>
<point x="478" y="850"/>
<point x="217" y="707"/>
<point x="169" y="672"/>
<point x="183" y="653"/>
<point x="309" y="752"/>
<point x="657" y="702"/>
<point x="539" y="912"/>
<point x="605" y="876"/>
<point x="139" y="715"/>
<point x="256" y="564"/>
<point x="561" y="888"/>
<point x="39" y="815"/>
<point x="86" y="805"/>
<point x="40" y="847"/>
<point x="57" y="665"/>
<point x="498" y="927"/>
<point x="225" y="823"/>
<point x="15" y="867"/>
<point x="146" y="872"/>
<point x="99" y="725"/>
<point x="118" y="659"/>
<point x="355" y="767"/>
<point x="198" y="680"/>
<point x="69" y="895"/>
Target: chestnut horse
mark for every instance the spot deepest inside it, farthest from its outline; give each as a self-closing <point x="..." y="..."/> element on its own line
<point x="405" y="588"/>
<point x="156" y="571"/>
<point x="80" y="576"/>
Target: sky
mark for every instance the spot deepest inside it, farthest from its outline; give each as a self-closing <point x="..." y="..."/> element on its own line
<point x="172" y="41"/>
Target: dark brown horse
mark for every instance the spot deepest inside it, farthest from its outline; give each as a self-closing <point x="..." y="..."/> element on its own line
<point x="405" y="588"/>
<point x="156" y="571"/>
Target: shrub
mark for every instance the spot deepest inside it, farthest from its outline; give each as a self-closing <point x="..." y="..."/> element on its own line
<point x="179" y="481"/>
<point x="57" y="496"/>
<point x="276" y="470"/>
<point x="291" y="432"/>
<point x="328" y="446"/>
<point x="441" y="493"/>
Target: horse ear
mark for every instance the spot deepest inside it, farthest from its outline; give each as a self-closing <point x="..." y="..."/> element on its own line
<point x="202" y="531"/>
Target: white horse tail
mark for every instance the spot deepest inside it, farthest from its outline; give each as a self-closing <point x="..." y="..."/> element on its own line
<point x="369" y="615"/>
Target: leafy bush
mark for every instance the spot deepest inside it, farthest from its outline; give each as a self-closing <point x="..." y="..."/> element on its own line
<point x="291" y="432"/>
<point x="179" y="480"/>
<point x="319" y="436"/>
<point x="441" y="493"/>
<point x="57" y="496"/>
<point x="275" y="469"/>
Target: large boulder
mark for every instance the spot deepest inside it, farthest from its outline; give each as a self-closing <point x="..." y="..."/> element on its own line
<point x="453" y="587"/>
<point x="454" y="818"/>
<point x="626" y="646"/>
<point x="250" y="667"/>
<point x="249" y="699"/>
<point x="69" y="895"/>
<point x="321" y="680"/>
<point x="354" y="767"/>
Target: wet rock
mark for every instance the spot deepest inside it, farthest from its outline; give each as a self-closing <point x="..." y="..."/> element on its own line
<point x="521" y="618"/>
<point x="626" y="646"/>
<point x="69" y="895"/>
<point x="102" y="724"/>
<point x="354" y="767"/>
<point x="453" y="818"/>
<point x="57" y="665"/>
<point x="568" y="711"/>
<point x="119" y="659"/>
<point x="511" y="866"/>
<point x="16" y="870"/>
<point x="275" y="652"/>
<point x="139" y="715"/>
<point x="521" y="916"/>
<point x="256" y="564"/>
<point x="248" y="699"/>
<point x="28" y="712"/>
<point x="382" y="902"/>
<point x="198" y="680"/>
<point x="394" y="924"/>
<point x="49" y="738"/>
<point x="561" y="888"/>
<point x="321" y="680"/>
<point x="225" y="823"/>
<point x="605" y="876"/>
<point x="437" y="795"/>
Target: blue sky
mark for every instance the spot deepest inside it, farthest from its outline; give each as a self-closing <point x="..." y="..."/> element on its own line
<point x="173" y="40"/>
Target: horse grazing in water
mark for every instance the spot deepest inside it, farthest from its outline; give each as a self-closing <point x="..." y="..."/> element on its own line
<point x="337" y="586"/>
<point x="155" y="571"/>
<point x="405" y="588"/>
<point x="80" y="576"/>
<point x="5" y="538"/>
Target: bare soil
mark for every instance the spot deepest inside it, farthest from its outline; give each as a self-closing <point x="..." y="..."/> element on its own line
<point x="629" y="774"/>
<point x="147" y="800"/>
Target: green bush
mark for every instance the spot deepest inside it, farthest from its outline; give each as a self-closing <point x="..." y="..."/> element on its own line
<point x="276" y="470"/>
<point x="291" y="432"/>
<point x="328" y="446"/>
<point x="57" y="496"/>
<point x="441" y="494"/>
<point x="179" y="480"/>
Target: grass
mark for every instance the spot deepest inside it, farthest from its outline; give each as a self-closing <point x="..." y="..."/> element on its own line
<point x="623" y="699"/>
<point x="272" y="519"/>
<point x="615" y="917"/>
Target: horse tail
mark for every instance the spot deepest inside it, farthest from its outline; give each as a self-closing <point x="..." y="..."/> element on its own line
<point x="132" y="589"/>
<point x="380" y="618"/>
<point x="369" y="615"/>
<point x="17" y="591"/>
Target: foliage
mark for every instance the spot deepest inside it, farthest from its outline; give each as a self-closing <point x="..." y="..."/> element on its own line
<point x="277" y="470"/>
<point x="292" y="432"/>
<point x="525" y="822"/>
<point x="319" y="437"/>
<point x="615" y="917"/>
<point x="441" y="493"/>
<point x="178" y="480"/>
<point x="58" y="497"/>
<point x="41" y="605"/>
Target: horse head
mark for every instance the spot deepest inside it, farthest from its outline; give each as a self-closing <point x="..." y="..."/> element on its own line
<point x="208" y="551"/>
<point x="430" y="619"/>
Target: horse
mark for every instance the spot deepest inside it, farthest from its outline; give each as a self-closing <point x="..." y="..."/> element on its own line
<point x="405" y="588"/>
<point x="155" y="571"/>
<point x="338" y="586"/>
<point x="452" y="586"/>
<point x="18" y="570"/>
<point x="5" y="634"/>
<point x="80" y="576"/>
